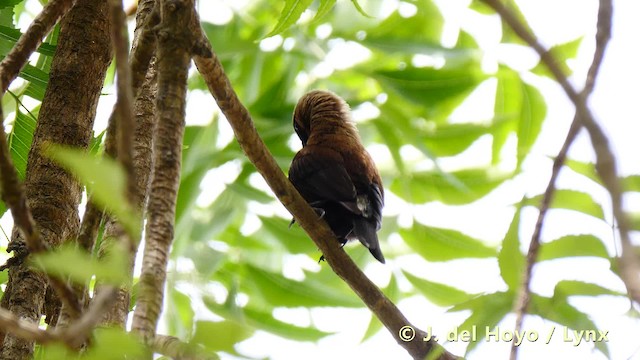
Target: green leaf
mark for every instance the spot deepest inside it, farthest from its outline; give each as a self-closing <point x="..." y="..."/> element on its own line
<point x="418" y="34"/>
<point x="248" y="192"/>
<point x="567" y="288"/>
<point x="196" y="162"/>
<point x="507" y="108"/>
<point x="112" y="343"/>
<point x="9" y="3"/>
<point x="323" y="9"/>
<point x="570" y="200"/>
<point x="289" y="15"/>
<point x="38" y="80"/>
<point x="277" y="290"/>
<point x="634" y="220"/>
<point x="584" y="168"/>
<point x="486" y="313"/>
<point x="95" y="146"/>
<point x="20" y="139"/>
<point x="511" y="260"/>
<point x="179" y="312"/>
<point x="392" y="139"/>
<point x="79" y="266"/>
<point x="559" y="310"/>
<point x="205" y="259"/>
<point x="359" y="8"/>
<point x="436" y="244"/>
<point x="431" y="87"/>
<point x="533" y="112"/>
<point x="294" y="239"/>
<point x="54" y="351"/>
<point x="561" y="54"/>
<point x="439" y="294"/>
<point x="260" y="320"/>
<point x="220" y="335"/>
<point x="455" y="188"/>
<point x="452" y="139"/>
<point x="104" y="179"/>
<point x="631" y="183"/>
<point x="571" y="246"/>
<point x="508" y="35"/>
<point x="11" y="34"/>
<point x="6" y="19"/>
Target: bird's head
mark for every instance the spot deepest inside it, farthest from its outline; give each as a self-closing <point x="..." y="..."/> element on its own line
<point x="318" y="108"/>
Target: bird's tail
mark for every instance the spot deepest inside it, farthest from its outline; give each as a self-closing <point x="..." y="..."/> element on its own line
<point x="365" y="231"/>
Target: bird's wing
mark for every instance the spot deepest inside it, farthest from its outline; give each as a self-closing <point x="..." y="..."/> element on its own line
<point x="319" y="175"/>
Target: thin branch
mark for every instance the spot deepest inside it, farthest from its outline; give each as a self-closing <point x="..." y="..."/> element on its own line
<point x="124" y="104"/>
<point x="255" y="149"/>
<point x="605" y="161"/>
<point x="144" y="45"/>
<point x="78" y="332"/>
<point x="524" y="293"/>
<point x="176" y="349"/>
<point x="175" y="44"/>
<point x="30" y="40"/>
<point x="12" y="324"/>
<point x="72" y="336"/>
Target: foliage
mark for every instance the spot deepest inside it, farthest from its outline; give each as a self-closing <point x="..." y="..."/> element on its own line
<point x="237" y="247"/>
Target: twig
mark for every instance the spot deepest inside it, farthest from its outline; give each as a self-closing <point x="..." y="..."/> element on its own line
<point x="255" y="149"/>
<point x="30" y="40"/>
<point x="144" y="45"/>
<point x="175" y="45"/>
<point x="605" y="161"/>
<point x="77" y="333"/>
<point x="176" y="349"/>
<point x="124" y="104"/>
<point x="72" y="336"/>
<point x="11" y="324"/>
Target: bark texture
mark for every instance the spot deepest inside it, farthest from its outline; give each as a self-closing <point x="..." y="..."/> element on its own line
<point x="66" y="117"/>
<point x="175" y="43"/>
<point x="144" y="114"/>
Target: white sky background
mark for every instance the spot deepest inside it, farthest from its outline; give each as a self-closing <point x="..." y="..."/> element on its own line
<point x="614" y="103"/>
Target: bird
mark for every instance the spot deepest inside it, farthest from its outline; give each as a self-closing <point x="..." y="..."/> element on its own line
<point x="333" y="171"/>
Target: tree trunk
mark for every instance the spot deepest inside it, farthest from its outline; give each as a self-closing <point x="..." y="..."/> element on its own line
<point x="66" y="117"/>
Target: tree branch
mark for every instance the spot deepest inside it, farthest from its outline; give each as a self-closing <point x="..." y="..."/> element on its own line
<point x="11" y="324"/>
<point x="176" y="349"/>
<point x="605" y="161"/>
<point x="142" y="84"/>
<point x="175" y="45"/>
<point x="124" y="104"/>
<point x="255" y="149"/>
<point x="30" y="40"/>
<point x="72" y="336"/>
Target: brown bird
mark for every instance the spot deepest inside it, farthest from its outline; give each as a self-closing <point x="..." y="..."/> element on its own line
<point x="334" y="173"/>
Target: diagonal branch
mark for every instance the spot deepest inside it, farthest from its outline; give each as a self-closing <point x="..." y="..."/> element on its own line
<point x="72" y="336"/>
<point x="255" y="149"/>
<point x="30" y="40"/>
<point x="605" y="161"/>
<point x="176" y="349"/>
